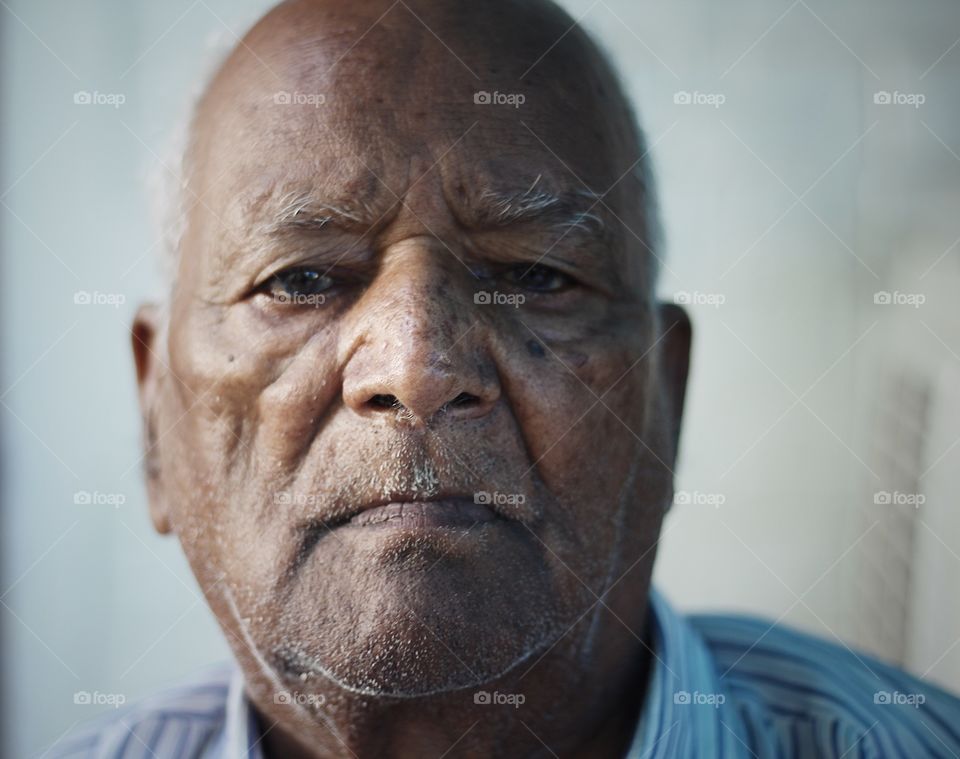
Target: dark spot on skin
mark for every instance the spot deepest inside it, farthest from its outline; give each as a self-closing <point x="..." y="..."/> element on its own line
<point x="230" y="358"/>
<point x="535" y="348"/>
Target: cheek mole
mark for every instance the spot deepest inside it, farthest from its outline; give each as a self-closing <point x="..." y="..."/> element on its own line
<point x="535" y="348"/>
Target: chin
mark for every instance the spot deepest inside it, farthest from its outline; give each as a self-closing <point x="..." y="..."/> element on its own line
<point x="400" y="613"/>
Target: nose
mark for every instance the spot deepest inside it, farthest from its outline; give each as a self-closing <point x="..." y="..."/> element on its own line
<point x="419" y="356"/>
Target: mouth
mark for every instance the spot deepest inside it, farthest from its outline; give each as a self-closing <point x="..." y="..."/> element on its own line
<point x="440" y="513"/>
<point x="411" y="511"/>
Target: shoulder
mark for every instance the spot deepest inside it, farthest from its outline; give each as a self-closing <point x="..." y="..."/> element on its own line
<point x="797" y="690"/>
<point x="182" y="721"/>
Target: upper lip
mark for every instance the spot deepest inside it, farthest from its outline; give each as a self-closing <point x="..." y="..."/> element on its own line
<point x="345" y="515"/>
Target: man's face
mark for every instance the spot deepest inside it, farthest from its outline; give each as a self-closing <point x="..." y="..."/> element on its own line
<point x="367" y="333"/>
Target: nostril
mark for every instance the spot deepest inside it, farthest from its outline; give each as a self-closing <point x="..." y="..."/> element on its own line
<point x="389" y="402"/>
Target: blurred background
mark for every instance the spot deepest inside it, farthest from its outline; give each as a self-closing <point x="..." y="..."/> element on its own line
<point x="808" y="156"/>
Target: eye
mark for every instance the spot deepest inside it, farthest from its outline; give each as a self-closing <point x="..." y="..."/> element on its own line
<point x="300" y="281"/>
<point x="298" y="286"/>
<point x="538" y="278"/>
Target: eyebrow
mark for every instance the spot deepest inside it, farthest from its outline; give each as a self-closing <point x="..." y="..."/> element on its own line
<point x="568" y="211"/>
<point x="571" y="210"/>
<point x="302" y="210"/>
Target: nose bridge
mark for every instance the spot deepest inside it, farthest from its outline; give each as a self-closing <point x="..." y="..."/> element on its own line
<point x="414" y="325"/>
<point x="414" y="299"/>
<point x="417" y="350"/>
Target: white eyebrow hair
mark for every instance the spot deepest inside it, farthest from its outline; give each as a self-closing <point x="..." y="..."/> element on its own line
<point x="534" y="202"/>
<point x="303" y="209"/>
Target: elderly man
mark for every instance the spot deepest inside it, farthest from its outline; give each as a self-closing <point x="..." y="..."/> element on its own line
<point x="412" y="411"/>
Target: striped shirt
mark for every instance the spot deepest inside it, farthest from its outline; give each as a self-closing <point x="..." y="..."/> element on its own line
<point x="719" y="686"/>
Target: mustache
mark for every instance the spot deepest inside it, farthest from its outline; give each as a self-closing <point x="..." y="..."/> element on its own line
<point x="407" y="467"/>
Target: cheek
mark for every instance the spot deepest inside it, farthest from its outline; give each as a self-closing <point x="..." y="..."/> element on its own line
<point x="242" y="403"/>
<point x="568" y="396"/>
<point x="579" y="408"/>
<point x="289" y="411"/>
<point x="249" y="375"/>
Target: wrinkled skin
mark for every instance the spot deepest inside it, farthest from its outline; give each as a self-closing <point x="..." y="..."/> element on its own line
<point x="269" y="422"/>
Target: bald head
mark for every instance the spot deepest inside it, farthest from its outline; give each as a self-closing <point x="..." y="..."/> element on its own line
<point x="348" y="86"/>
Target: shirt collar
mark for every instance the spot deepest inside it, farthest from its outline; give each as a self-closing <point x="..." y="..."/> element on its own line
<point x="241" y="733"/>
<point x="686" y="711"/>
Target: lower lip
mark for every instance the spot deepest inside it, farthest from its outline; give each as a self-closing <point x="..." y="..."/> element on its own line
<point x="424" y="515"/>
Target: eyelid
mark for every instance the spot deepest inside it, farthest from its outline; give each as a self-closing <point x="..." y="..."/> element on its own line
<point x="274" y="275"/>
<point x="524" y="269"/>
<point x="330" y="260"/>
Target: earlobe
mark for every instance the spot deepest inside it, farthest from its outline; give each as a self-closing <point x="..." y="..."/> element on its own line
<point x="144" y="335"/>
<point x="677" y="335"/>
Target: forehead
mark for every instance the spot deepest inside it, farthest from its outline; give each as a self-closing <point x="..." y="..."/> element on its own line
<point x="348" y="137"/>
<point x="326" y="91"/>
<point x="362" y="157"/>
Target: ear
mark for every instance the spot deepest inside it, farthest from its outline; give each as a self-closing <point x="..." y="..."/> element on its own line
<point x="144" y="336"/>
<point x="676" y="334"/>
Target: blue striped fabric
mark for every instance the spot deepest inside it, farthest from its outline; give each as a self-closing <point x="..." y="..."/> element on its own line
<point x="720" y="686"/>
<point x="208" y="717"/>
<point x="726" y="686"/>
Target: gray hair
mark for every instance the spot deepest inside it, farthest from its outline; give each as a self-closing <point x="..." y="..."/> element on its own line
<point x="168" y="184"/>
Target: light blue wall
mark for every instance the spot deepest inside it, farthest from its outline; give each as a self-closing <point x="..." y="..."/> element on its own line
<point x="94" y="600"/>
